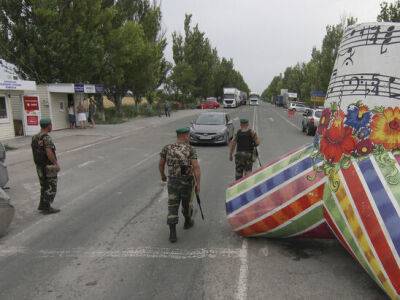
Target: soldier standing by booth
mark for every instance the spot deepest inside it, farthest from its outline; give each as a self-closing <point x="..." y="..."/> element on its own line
<point x="245" y="143"/>
<point x="183" y="175"/>
<point x="44" y="156"/>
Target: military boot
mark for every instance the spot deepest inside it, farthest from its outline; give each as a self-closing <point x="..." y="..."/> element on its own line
<point x="50" y="210"/>
<point x="172" y="233"/>
<point x="189" y="222"/>
<point x="42" y="206"/>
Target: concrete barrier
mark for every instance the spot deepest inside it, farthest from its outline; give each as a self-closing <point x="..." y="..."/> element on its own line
<point x="7" y="212"/>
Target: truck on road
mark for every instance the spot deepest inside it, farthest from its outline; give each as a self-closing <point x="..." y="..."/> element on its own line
<point x="254" y="98"/>
<point x="231" y="97"/>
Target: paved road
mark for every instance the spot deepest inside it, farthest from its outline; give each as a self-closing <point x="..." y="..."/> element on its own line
<point x="111" y="240"/>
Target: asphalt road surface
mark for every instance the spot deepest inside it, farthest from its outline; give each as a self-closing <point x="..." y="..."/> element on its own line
<point x="110" y="240"/>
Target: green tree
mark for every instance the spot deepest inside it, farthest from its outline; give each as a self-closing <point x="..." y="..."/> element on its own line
<point x="390" y="12"/>
<point x="118" y="43"/>
<point x="53" y="41"/>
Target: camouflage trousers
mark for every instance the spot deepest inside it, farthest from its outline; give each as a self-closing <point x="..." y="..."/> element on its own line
<point x="244" y="164"/>
<point x="48" y="187"/>
<point x="180" y="190"/>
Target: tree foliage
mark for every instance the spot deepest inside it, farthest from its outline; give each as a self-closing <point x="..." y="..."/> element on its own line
<point x="118" y="43"/>
<point x="390" y="12"/>
<point x="303" y="78"/>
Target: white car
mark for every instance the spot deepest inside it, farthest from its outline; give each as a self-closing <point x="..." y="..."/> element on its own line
<point x="297" y="107"/>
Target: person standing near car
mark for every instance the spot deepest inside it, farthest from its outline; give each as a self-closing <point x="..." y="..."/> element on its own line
<point x="47" y="167"/>
<point x="183" y="175"/>
<point x="244" y="143"/>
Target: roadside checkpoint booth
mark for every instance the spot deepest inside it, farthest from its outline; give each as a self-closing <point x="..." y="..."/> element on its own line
<point x="49" y="100"/>
<point x="19" y="93"/>
<point x="59" y="96"/>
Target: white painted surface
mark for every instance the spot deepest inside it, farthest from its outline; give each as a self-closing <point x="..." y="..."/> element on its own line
<point x="7" y="124"/>
<point x="17" y="85"/>
<point x="59" y="117"/>
<point x="67" y="88"/>
<point x="369" y="55"/>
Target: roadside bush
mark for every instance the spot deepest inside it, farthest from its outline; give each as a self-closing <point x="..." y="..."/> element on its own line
<point x="112" y="116"/>
<point x="129" y="111"/>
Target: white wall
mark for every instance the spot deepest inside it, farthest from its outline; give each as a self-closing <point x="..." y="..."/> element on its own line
<point x="59" y="116"/>
<point x="7" y="125"/>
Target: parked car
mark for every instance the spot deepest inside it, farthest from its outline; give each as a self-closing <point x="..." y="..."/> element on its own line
<point x="212" y="128"/>
<point x="297" y="107"/>
<point x="310" y="120"/>
<point x="209" y="104"/>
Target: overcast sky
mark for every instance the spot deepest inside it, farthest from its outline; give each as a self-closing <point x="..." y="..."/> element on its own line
<point x="264" y="36"/>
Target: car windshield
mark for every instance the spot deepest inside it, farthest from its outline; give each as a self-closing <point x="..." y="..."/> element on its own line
<point x="229" y="96"/>
<point x="318" y="113"/>
<point x="210" y="119"/>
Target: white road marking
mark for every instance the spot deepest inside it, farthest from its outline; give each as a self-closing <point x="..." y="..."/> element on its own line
<point x="86" y="164"/>
<point x="141" y="252"/>
<point x="264" y="251"/>
<point x="241" y="293"/>
<point x="287" y="121"/>
<point x="271" y="119"/>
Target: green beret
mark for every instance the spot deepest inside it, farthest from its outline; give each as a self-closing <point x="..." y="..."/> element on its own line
<point x="45" y="121"/>
<point x="183" y="130"/>
<point x="244" y="121"/>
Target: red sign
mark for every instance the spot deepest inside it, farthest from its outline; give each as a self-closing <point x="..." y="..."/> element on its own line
<point x="31" y="103"/>
<point x="32" y="120"/>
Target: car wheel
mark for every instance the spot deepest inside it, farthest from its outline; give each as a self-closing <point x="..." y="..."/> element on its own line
<point x="226" y="140"/>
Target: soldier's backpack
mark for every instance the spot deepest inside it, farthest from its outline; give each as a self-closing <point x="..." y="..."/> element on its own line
<point x="39" y="151"/>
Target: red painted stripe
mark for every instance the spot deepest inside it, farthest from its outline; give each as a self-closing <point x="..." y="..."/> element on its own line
<point x="278" y="198"/>
<point x="285" y="214"/>
<point x="269" y="164"/>
<point x="338" y="233"/>
<point x="372" y="225"/>
<point x="322" y="231"/>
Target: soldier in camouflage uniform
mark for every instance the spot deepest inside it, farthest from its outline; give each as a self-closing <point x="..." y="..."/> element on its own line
<point x="44" y="156"/>
<point x="183" y="176"/>
<point x="244" y="142"/>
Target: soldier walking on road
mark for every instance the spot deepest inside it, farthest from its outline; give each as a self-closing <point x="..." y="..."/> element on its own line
<point x="183" y="175"/>
<point x="44" y="156"/>
<point x="245" y="143"/>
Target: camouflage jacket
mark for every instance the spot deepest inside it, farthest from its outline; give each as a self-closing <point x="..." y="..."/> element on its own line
<point x="40" y="142"/>
<point x="178" y="158"/>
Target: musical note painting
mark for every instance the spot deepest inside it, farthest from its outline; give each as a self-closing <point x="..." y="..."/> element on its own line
<point x="346" y="185"/>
